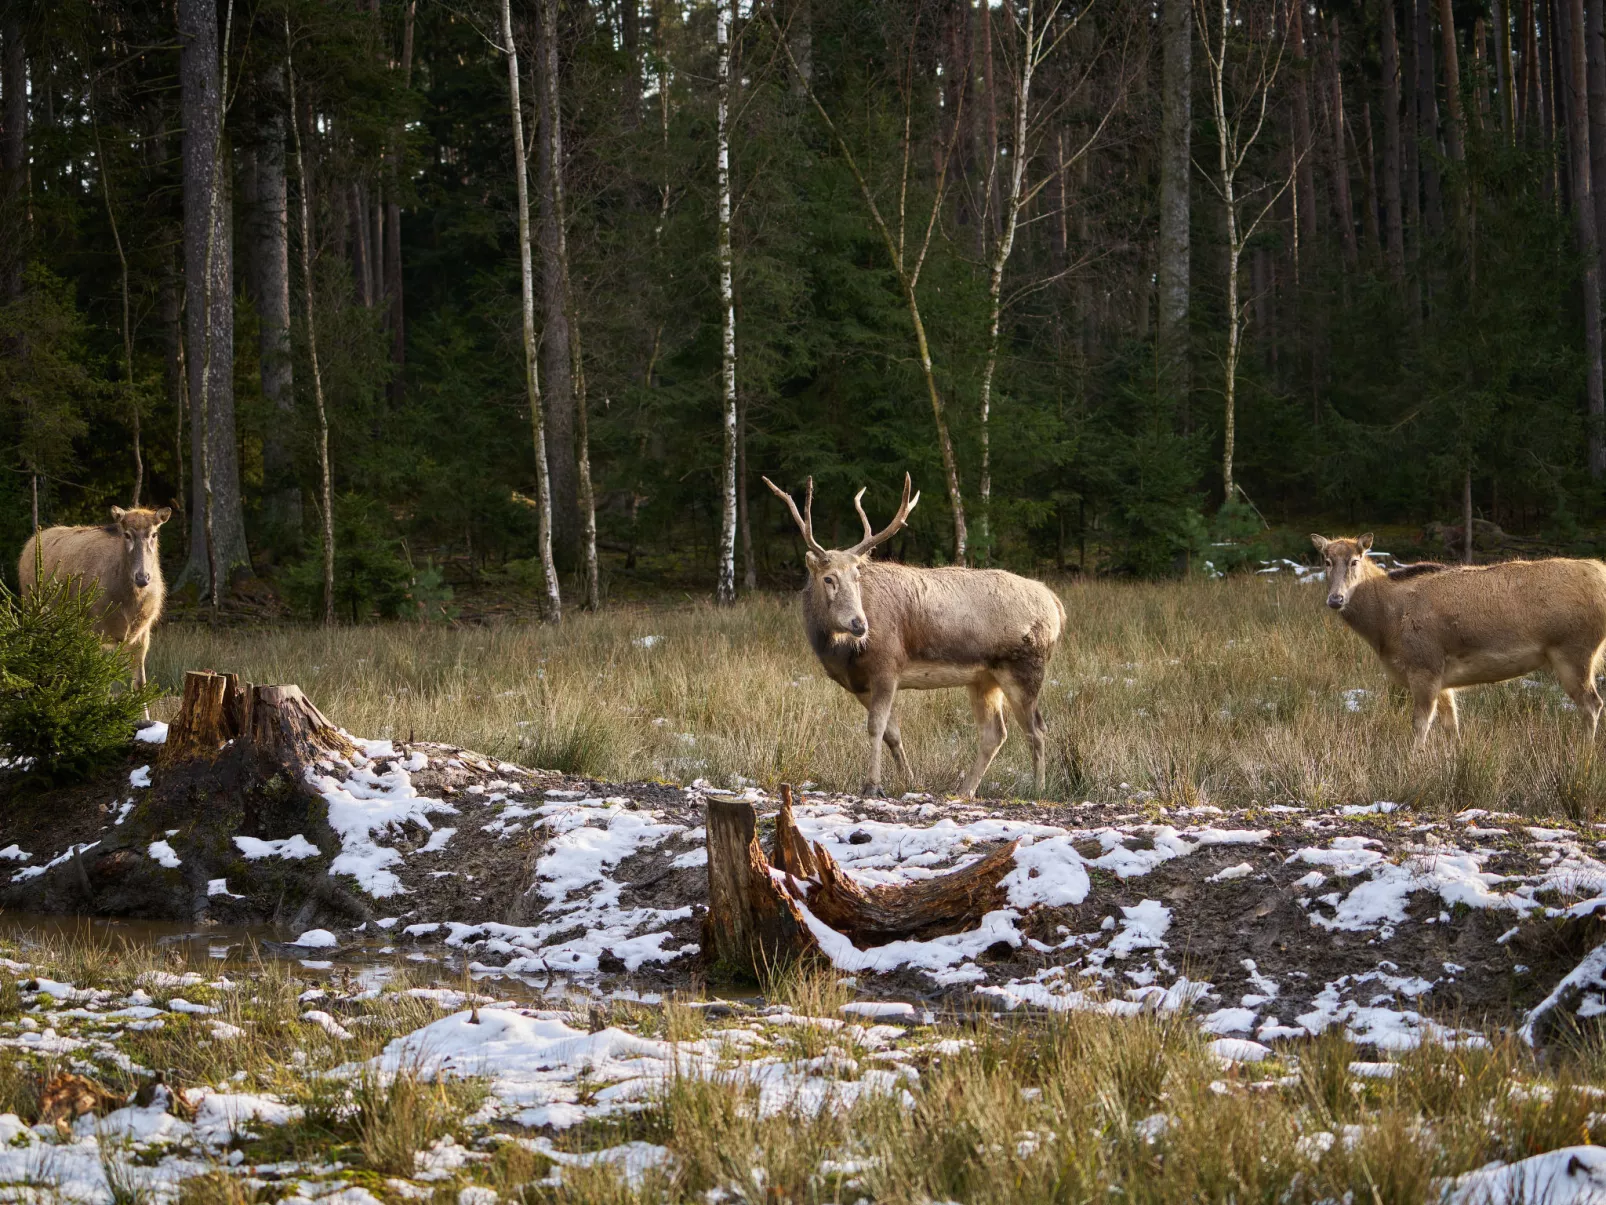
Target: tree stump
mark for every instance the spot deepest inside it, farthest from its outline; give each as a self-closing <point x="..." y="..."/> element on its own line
<point x="279" y="723"/>
<point x="756" y="905"/>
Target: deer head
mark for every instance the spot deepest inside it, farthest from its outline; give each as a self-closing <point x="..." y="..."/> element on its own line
<point x="1346" y="565"/>
<point x="834" y="574"/>
<point x="138" y="531"/>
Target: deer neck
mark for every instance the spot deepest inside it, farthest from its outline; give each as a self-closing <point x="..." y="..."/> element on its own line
<point x="1371" y="607"/>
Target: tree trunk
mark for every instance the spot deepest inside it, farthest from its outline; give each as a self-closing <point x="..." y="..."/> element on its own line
<point x="532" y="377"/>
<point x="1366" y="152"/>
<point x="1595" y="41"/>
<point x="551" y="103"/>
<point x="1305" y="200"/>
<point x="1505" y="114"/>
<point x="217" y="520"/>
<point x="131" y="399"/>
<point x="361" y="253"/>
<point x="1393" y="217"/>
<point x="326" y="492"/>
<point x="630" y="43"/>
<point x="393" y="251"/>
<point x="1176" y="170"/>
<point x="277" y="724"/>
<point x="1338" y="154"/>
<point x="13" y="155"/>
<point x="1455" y="123"/>
<point x="170" y="299"/>
<point x="1466" y="516"/>
<point x="1411" y="148"/>
<point x="1427" y="115"/>
<point x="744" y="512"/>
<point x="1584" y="222"/>
<point x="282" y="501"/>
<point x="557" y="354"/>
<point x="725" y="587"/>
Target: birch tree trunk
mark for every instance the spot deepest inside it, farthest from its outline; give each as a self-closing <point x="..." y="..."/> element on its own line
<point x="326" y="491"/>
<point x="558" y="397"/>
<point x="272" y="236"/>
<point x="1176" y="168"/>
<point x="217" y="521"/>
<point x="725" y="589"/>
<point x="1393" y="217"/>
<point x="532" y="379"/>
<point x="552" y="122"/>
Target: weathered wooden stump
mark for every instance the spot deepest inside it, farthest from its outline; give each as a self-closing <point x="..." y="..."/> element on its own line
<point x="280" y="723"/>
<point x="756" y="905"/>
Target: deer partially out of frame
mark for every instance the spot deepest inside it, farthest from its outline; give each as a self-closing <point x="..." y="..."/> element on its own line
<point x="878" y="627"/>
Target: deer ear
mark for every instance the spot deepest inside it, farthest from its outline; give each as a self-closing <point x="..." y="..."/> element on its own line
<point x="1321" y="542"/>
<point x="1365" y="542"/>
<point x="117" y="514"/>
<point x="163" y="515"/>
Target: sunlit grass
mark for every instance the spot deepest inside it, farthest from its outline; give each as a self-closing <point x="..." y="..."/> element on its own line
<point x="1228" y="692"/>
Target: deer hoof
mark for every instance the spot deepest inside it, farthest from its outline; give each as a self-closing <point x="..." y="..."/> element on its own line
<point x="872" y="790"/>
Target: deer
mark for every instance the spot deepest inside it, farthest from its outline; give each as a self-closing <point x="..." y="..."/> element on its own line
<point x="121" y="561"/>
<point x="879" y="627"/>
<point x="1439" y="628"/>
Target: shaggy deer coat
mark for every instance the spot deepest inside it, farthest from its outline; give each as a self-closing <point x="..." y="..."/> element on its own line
<point x="879" y="627"/>
<point x="121" y="560"/>
<point x="1439" y="628"/>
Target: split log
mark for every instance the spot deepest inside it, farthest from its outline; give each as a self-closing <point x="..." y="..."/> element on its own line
<point x="754" y="917"/>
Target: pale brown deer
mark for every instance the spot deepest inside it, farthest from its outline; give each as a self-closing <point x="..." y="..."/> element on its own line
<point x="1438" y="628"/>
<point x="878" y="627"/>
<point x="121" y="560"/>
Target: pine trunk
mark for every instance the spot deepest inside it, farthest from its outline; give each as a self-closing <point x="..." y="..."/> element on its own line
<point x="1584" y="222"/>
<point x="217" y="520"/>
<point x="13" y="154"/>
<point x="1427" y="116"/>
<point x="1596" y="45"/>
<point x="557" y="354"/>
<point x="272" y="244"/>
<point x="1176" y="170"/>
<point x="1305" y="200"/>
<point x="1455" y="123"/>
<point x="1393" y="216"/>
<point x="1343" y="205"/>
<point x="326" y="493"/>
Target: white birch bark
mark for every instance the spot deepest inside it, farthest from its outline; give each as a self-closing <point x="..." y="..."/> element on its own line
<point x="725" y="591"/>
<point x="326" y="491"/>
<point x="527" y="278"/>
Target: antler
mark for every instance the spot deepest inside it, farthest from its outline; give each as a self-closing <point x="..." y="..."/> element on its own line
<point x="805" y="521"/>
<point x="891" y="529"/>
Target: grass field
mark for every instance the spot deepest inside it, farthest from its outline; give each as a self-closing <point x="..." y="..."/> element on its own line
<point x="1231" y="691"/>
<point x="1076" y="1107"/>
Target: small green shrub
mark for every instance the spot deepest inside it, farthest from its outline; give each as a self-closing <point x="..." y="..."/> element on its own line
<point x="374" y="575"/>
<point x="59" y="712"/>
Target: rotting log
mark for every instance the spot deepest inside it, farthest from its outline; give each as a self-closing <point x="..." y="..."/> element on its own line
<point x="755" y="904"/>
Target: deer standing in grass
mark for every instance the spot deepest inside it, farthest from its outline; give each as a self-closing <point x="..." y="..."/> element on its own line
<point x="122" y="561"/>
<point x="878" y="627"/>
<point x="1438" y="628"/>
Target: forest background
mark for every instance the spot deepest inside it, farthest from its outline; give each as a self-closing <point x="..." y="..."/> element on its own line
<point x="1128" y="287"/>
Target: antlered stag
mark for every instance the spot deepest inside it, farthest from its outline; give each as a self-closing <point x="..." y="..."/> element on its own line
<point x="121" y="560"/>
<point x="1438" y="628"/>
<point x="878" y="627"/>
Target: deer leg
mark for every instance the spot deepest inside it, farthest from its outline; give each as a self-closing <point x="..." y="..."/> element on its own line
<point x="1447" y="707"/>
<point x="878" y="702"/>
<point x="1575" y="670"/>
<point x="987" y="704"/>
<point x="893" y="739"/>
<point x="1425" y="698"/>
<point x="1023" y="705"/>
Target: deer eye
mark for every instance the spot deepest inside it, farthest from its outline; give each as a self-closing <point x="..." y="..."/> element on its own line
<point x="830" y="581"/>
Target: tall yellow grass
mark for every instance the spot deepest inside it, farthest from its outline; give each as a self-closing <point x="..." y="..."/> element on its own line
<point x="1229" y="692"/>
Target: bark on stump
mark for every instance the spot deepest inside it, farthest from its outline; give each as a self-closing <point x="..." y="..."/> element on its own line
<point x="756" y="921"/>
<point x="279" y="723"/>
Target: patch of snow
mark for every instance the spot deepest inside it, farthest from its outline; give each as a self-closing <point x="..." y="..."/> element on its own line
<point x="152" y="734"/>
<point x="140" y="777"/>
<point x="252" y="848"/>
<point x="317" y="939"/>
<point x="164" y="855"/>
